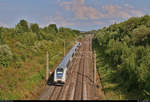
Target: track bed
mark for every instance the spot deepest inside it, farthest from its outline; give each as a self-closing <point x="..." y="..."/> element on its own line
<point x="80" y="80"/>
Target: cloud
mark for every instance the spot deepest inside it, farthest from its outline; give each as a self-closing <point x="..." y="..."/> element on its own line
<point x="83" y="12"/>
<point x="98" y="23"/>
<point x="88" y="16"/>
<point x="61" y="21"/>
<point x="113" y="11"/>
<point x="137" y="13"/>
<point x="3" y="24"/>
<point x="128" y="6"/>
<point x="58" y="19"/>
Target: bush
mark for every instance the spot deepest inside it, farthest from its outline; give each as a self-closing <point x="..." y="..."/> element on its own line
<point x="16" y="57"/>
<point x="20" y="45"/>
<point x="28" y="38"/>
<point x="18" y="65"/>
<point x="23" y="57"/>
<point x="5" y="55"/>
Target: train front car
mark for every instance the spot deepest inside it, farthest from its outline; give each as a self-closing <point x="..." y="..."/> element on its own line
<point x="60" y="76"/>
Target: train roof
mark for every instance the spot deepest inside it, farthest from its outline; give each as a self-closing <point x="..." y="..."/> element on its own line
<point x="66" y="59"/>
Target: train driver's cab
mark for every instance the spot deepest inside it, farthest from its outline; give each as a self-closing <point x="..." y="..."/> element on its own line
<point x="59" y="72"/>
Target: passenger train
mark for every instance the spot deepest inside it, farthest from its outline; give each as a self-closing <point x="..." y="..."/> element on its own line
<point x="60" y="73"/>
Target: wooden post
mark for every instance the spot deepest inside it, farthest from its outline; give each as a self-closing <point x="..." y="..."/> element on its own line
<point x="64" y="48"/>
<point x="94" y="67"/>
<point x="47" y="66"/>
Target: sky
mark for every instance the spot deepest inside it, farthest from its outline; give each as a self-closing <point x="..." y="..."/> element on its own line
<point x="84" y="15"/>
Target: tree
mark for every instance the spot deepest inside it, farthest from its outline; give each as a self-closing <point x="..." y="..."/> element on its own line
<point x="140" y="34"/>
<point x="35" y="28"/>
<point x="22" y="26"/>
<point x="53" y="28"/>
<point x="125" y="49"/>
<point x="1" y="40"/>
<point x="145" y="20"/>
<point x="61" y="29"/>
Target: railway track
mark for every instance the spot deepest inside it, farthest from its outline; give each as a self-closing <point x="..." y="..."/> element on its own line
<point x="80" y="80"/>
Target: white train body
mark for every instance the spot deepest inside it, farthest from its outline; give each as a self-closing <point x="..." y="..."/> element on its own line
<point x="60" y="74"/>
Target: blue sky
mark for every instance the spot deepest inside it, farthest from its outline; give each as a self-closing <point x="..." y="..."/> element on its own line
<point x="77" y="14"/>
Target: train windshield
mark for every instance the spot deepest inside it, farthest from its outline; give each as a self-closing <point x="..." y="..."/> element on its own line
<point x="59" y="72"/>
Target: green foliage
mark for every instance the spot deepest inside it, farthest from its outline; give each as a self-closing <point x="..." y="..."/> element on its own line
<point x="141" y="34"/>
<point x="23" y="50"/>
<point x="5" y="55"/>
<point x="28" y="38"/>
<point x="23" y="57"/>
<point x="51" y="28"/>
<point x="61" y="29"/>
<point x="35" y="28"/>
<point x="126" y="51"/>
<point x="18" y="64"/>
<point x="16" y="57"/>
<point x="19" y="45"/>
<point x="1" y="40"/>
<point x="22" y="26"/>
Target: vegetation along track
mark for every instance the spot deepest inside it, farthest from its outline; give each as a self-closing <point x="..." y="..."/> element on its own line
<point x="80" y="78"/>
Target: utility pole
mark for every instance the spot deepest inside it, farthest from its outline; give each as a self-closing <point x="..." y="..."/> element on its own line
<point x="64" y="48"/>
<point x="47" y="66"/>
<point x="94" y="67"/>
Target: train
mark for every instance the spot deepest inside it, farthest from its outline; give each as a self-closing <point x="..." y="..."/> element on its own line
<point x="60" y="73"/>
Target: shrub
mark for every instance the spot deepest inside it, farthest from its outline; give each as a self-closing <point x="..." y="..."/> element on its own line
<point x="5" y="55"/>
<point x="28" y="38"/>
<point x="16" y="57"/>
<point x="23" y="57"/>
<point x="20" y="45"/>
<point x="18" y="65"/>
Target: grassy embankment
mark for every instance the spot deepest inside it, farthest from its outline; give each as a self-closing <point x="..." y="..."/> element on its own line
<point x="23" y="56"/>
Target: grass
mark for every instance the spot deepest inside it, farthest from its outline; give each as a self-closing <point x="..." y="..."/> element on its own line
<point x="18" y="81"/>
